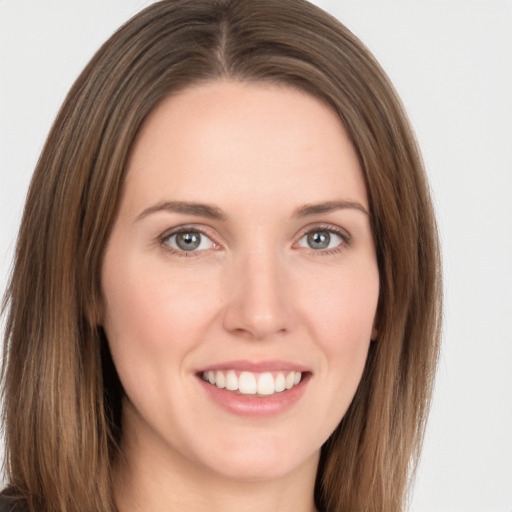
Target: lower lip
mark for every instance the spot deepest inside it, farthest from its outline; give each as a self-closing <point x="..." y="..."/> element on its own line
<point x="255" y="405"/>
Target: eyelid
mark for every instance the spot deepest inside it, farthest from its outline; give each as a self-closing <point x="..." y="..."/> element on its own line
<point x="331" y="228"/>
<point x="183" y="228"/>
<point x="204" y="231"/>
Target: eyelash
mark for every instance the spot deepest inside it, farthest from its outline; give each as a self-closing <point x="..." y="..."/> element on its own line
<point x="164" y="238"/>
<point x="344" y="236"/>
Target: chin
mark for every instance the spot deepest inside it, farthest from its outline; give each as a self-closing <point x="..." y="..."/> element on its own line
<point x="258" y="462"/>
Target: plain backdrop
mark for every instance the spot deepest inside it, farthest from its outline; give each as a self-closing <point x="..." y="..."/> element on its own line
<point x="451" y="62"/>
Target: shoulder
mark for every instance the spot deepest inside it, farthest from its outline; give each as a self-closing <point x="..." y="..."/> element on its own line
<point x="12" y="504"/>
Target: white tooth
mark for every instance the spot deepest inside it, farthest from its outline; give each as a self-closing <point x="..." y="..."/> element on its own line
<point x="220" y="380"/>
<point x="266" y="384"/>
<point x="231" y="381"/>
<point x="247" y="383"/>
<point x="280" y="383"/>
<point x="204" y="376"/>
<point x="290" y="379"/>
<point x="211" y="377"/>
<point x="298" y="376"/>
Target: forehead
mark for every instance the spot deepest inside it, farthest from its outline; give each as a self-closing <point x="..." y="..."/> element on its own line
<point x="254" y="140"/>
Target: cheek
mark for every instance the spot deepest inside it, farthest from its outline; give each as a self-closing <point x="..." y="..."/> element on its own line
<point x="340" y="319"/>
<point x="343" y="309"/>
<point x="152" y="310"/>
<point x="154" y="318"/>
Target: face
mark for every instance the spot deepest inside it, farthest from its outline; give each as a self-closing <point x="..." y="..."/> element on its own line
<point x="240" y="280"/>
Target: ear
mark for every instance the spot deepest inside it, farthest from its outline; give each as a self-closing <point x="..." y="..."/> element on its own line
<point x="94" y="313"/>
<point x="376" y="321"/>
<point x="375" y="331"/>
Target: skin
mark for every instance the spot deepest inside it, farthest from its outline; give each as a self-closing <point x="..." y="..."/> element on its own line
<point x="254" y="290"/>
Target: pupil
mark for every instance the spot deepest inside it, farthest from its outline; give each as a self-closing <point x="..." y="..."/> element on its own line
<point x="319" y="239"/>
<point x="188" y="241"/>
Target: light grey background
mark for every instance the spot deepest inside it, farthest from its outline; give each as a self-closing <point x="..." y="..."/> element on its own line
<point x="451" y="62"/>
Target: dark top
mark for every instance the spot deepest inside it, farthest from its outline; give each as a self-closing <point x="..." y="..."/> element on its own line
<point x="12" y="504"/>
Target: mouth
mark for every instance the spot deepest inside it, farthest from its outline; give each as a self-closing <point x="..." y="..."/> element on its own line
<point x="255" y="389"/>
<point x="253" y="383"/>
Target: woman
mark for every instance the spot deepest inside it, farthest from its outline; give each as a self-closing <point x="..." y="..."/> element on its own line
<point x="226" y="290"/>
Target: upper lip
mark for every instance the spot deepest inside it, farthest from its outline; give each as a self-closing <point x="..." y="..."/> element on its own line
<point x="273" y="365"/>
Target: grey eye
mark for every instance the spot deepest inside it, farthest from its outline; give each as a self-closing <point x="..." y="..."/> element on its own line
<point x="189" y="241"/>
<point x="320" y="240"/>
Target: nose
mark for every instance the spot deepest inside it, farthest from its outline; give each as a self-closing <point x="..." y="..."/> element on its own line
<point x="258" y="306"/>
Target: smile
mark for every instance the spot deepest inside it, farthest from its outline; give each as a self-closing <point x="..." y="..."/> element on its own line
<point x="249" y="383"/>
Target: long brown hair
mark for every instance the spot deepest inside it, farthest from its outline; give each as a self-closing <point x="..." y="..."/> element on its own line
<point x="61" y="393"/>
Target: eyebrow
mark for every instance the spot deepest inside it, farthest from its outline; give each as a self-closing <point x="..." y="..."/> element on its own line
<point x="198" y="209"/>
<point x="329" y="206"/>
<point x="212" y="212"/>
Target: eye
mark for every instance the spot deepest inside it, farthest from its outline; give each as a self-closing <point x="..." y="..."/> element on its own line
<point x="188" y="240"/>
<point x="321" y="240"/>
